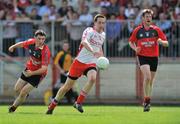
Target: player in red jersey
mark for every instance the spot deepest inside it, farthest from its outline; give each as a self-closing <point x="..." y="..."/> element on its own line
<point x="84" y="64"/>
<point x="36" y="66"/>
<point x="145" y="40"/>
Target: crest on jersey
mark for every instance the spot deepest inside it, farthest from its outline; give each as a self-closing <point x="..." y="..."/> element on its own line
<point x="153" y="34"/>
<point x="147" y="34"/>
<point x="141" y="35"/>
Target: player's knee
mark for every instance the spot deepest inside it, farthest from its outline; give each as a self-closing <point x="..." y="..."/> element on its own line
<point x="92" y="79"/>
<point x="17" y="90"/>
<point x="148" y="79"/>
<point x="23" y="93"/>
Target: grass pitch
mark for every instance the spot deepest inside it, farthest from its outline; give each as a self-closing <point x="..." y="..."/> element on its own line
<point x="92" y="115"/>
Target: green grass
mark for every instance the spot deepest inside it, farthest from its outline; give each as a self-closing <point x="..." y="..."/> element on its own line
<point x="92" y="115"/>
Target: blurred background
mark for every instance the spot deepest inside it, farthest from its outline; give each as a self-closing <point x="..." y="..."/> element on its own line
<point x="65" y="20"/>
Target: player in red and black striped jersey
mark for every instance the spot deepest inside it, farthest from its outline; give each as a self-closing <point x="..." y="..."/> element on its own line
<point x="145" y="40"/>
<point x="36" y="66"/>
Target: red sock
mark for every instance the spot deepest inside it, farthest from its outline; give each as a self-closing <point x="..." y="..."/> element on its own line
<point x="81" y="97"/>
<point x="147" y="99"/>
<point x="53" y="104"/>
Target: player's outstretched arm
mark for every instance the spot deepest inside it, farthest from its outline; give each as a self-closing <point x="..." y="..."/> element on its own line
<point x="17" y="45"/>
<point x="163" y="42"/>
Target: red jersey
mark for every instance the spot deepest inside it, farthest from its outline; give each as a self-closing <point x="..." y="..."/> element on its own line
<point x="38" y="56"/>
<point x="146" y="39"/>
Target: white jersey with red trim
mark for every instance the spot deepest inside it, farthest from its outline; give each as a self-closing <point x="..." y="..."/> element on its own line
<point x="96" y="41"/>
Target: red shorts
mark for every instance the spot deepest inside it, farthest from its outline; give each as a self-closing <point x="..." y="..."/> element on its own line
<point x="77" y="69"/>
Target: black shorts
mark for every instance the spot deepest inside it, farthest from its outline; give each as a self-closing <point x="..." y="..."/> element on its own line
<point x="33" y="80"/>
<point x="63" y="78"/>
<point x="88" y="69"/>
<point x="151" y="61"/>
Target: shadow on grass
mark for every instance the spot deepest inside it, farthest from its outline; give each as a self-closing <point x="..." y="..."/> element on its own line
<point x="29" y="113"/>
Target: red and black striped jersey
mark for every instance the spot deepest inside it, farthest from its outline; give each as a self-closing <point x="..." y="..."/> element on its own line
<point x="146" y="39"/>
<point x="38" y="56"/>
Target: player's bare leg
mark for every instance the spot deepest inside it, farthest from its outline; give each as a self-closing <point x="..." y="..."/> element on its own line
<point x="147" y="86"/>
<point x="21" y="98"/>
<point x="153" y="75"/>
<point x="19" y="85"/>
<point x="60" y="94"/>
<point x="91" y="75"/>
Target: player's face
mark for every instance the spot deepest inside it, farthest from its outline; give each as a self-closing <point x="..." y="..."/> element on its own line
<point x="66" y="47"/>
<point x="40" y="39"/>
<point x="99" y="24"/>
<point x="147" y="19"/>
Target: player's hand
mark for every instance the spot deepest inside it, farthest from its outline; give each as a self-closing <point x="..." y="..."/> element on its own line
<point x="137" y="50"/>
<point x="97" y="54"/>
<point x="27" y="73"/>
<point x="159" y="40"/>
<point x="164" y="43"/>
<point x="62" y="72"/>
<point x="11" y="49"/>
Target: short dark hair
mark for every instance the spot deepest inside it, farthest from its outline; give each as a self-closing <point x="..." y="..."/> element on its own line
<point x="98" y="16"/>
<point x="149" y="11"/>
<point x="40" y="32"/>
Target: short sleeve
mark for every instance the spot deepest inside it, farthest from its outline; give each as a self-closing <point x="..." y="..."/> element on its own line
<point x="133" y="37"/>
<point x="87" y="34"/>
<point x="161" y="34"/>
<point x="46" y="56"/>
<point x="28" y="42"/>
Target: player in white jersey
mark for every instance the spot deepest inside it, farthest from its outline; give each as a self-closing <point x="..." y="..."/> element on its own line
<point x="84" y="64"/>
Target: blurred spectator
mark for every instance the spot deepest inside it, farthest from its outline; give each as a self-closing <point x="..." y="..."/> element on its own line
<point x="75" y="29"/>
<point x="63" y="62"/>
<point x="2" y="10"/>
<point x="9" y="32"/>
<point x="121" y="15"/>
<point x="94" y="6"/>
<point x="70" y="12"/>
<point x="172" y="14"/>
<point x="138" y="15"/>
<point x="57" y="3"/>
<point x="129" y="10"/>
<point x="124" y="2"/>
<point x="105" y="3"/>
<point x="33" y="5"/>
<point x="40" y="2"/>
<point x="22" y="4"/>
<point x="25" y="30"/>
<point x="34" y="14"/>
<point x="86" y="17"/>
<point x="104" y="11"/>
<point x="64" y="9"/>
<point x="22" y="16"/>
<point x="114" y="7"/>
<point x="131" y="23"/>
<point x="45" y="10"/>
<point x="150" y="2"/>
<point x="53" y="13"/>
<point x="155" y="10"/>
<point x="69" y="15"/>
<point x="177" y="9"/>
<point x="176" y="38"/>
<point x="73" y="3"/>
<point x="165" y="26"/>
<point x="113" y="29"/>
